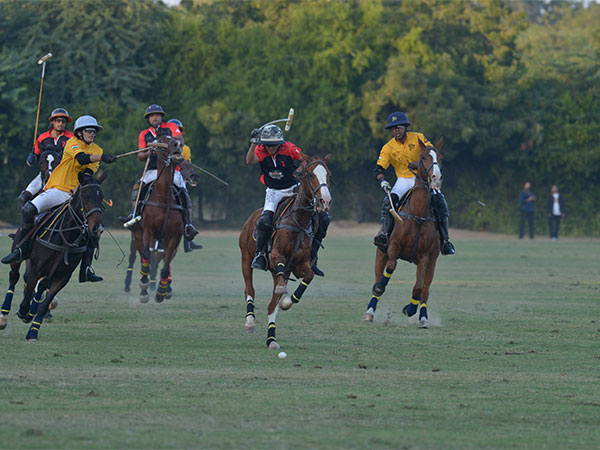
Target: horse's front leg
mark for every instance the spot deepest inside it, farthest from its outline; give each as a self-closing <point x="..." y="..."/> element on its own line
<point x="249" y="292"/>
<point x="416" y="303"/>
<point x="30" y="281"/>
<point x="279" y="288"/>
<point x="56" y="285"/>
<point x="165" y="281"/>
<point x="132" y="254"/>
<point x="144" y="272"/>
<point x="307" y="275"/>
<point x="428" y="270"/>
<point x="13" y="278"/>
<point x="381" y="284"/>
<point x="381" y="259"/>
<point x="41" y="286"/>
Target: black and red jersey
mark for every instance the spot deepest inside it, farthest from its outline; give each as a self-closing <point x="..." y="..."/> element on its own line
<point x="46" y="142"/>
<point x="278" y="169"/>
<point x="151" y="135"/>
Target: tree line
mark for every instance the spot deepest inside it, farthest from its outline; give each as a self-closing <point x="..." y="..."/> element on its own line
<point x="512" y="86"/>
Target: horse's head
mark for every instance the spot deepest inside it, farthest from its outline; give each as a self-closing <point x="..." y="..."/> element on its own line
<point x="430" y="165"/>
<point x="314" y="174"/>
<point x="87" y="202"/>
<point x="169" y="149"/>
<point x="48" y="162"/>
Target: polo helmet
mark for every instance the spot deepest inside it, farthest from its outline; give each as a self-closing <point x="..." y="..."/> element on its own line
<point x="154" y="109"/>
<point x="87" y="122"/>
<point x="60" y="112"/>
<point x="397" y="118"/>
<point x="271" y="135"/>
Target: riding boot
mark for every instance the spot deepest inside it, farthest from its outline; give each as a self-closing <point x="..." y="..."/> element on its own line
<point x="441" y="212"/>
<point x="86" y="271"/>
<point x="190" y="230"/>
<point x="22" y="250"/>
<point x="264" y="228"/>
<point x="324" y="220"/>
<point x="135" y="205"/>
<point x="381" y="240"/>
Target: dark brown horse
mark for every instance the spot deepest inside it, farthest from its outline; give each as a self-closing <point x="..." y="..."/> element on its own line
<point x="161" y="219"/>
<point x="59" y="245"/>
<point x="291" y="243"/>
<point x="48" y="162"/>
<point x="416" y="239"/>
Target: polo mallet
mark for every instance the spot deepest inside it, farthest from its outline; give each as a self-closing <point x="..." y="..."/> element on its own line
<point x="470" y="196"/>
<point x="208" y="173"/>
<point x="136" y="219"/>
<point x="287" y="120"/>
<point x="41" y="61"/>
<point x="393" y="212"/>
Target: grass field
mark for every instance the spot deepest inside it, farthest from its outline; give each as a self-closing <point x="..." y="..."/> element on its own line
<point x="512" y="361"/>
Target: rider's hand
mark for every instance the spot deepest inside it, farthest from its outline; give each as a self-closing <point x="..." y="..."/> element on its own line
<point x="32" y="159"/>
<point x="387" y="187"/>
<point x="413" y="165"/>
<point x="255" y="136"/>
<point x="108" y="159"/>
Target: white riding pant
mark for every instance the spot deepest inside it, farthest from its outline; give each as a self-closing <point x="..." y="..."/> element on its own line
<point x="274" y="196"/>
<point x="402" y="186"/>
<point x="36" y="185"/>
<point x="178" y="180"/>
<point x="50" y="198"/>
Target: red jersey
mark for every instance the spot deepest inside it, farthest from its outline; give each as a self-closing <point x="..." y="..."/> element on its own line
<point x="151" y="135"/>
<point x="46" y="142"/>
<point x="278" y="169"/>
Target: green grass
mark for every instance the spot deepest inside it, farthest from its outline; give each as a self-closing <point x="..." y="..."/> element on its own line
<point x="513" y="358"/>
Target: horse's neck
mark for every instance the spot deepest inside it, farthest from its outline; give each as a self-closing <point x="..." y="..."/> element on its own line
<point x="419" y="198"/>
<point x="164" y="179"/>
<point x="301" y="206"/>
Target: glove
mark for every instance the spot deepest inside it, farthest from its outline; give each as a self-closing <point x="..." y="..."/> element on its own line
<point x="255" y="136"/>
<point x="413" y="165"/>
<point x="32" y="159"/>
<point x="108" y="159"/>
<point x="387" y="187"/>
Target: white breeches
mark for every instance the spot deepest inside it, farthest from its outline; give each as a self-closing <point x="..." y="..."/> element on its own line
<point x="177" y="179"/>
<point x="274" y="196"/>
<point x="50" y="198"/>
<point x="36" y="185"/>
<point x="402" y="186"/>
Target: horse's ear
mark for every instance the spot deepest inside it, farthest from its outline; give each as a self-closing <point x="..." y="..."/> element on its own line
<point x="440" y="143"/>
<point x="327" y="157"/>
<point x="305" y="158"/>
<point x="422" y="145"/>
<point x="102" y="177"/>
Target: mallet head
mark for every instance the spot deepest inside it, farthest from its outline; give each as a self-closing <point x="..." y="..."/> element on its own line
<point x="288" y="122"/>
<point x="45" y="58"/>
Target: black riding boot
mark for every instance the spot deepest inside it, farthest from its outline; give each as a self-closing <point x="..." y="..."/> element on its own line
<point x="441" y="212"/>
<point x="320" y="234"/>
<point x="381" y="240"/>
<point x="264" y="228"/>
<point x="190" y="230"/>
<point x="22" y="250"/>
<point x="24" y="197"/>
<point x="86" y="271"/>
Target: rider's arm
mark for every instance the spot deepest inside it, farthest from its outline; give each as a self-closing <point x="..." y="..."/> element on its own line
<point x="85" y="158"/>
<point x="379" y="172"/>
<point x="251" y="157"/>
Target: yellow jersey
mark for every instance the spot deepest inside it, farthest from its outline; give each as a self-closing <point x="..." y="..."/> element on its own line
<point x="186" y="153"/>
<point x="64" y="177"/>
<point x="399" y="154"/>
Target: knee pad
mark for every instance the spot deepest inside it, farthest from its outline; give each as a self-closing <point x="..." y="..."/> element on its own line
<point x="265" y="223"/>
<point x="28" y="213"/>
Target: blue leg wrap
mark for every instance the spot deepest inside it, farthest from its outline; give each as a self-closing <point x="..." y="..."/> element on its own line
<point x="373" y="303"/>
<point x="8" y="299"/>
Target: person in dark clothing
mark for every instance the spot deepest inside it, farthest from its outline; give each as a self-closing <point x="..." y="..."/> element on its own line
<point x="555" y="207"/>
<point x="526" y="206"/>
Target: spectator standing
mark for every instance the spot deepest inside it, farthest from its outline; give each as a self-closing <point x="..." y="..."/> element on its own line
<point x="555" y="207"/>
<point x="526" y="206"/>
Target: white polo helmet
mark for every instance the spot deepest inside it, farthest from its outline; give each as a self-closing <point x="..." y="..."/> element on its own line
<point x="271" y="135"/>
<point x="87" y="122"/>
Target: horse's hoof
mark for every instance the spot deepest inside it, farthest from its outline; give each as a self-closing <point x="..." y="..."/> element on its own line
<point x="250" y="325"/>
<point x="53" y="305"/>
<point x="369" y="315"/>
<point x="3" y="321"/>
<point x="127" y="289"/>
<point x="274" y="345"/>
<point x="144" y="298"/>
<point x="159" y="298"/>
<point x="280" y="289"/>
<point x="286" y="303"/>
<point x="32" y="339"/>
<point x="423" y="323"/>
<point x="25" y="318"/>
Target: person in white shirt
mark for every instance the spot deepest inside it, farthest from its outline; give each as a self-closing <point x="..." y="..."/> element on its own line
<point x="555" y="207"/>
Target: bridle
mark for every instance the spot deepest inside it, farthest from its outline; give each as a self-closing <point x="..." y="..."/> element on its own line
<point x="312" y="198"/>
<point x="82" y="222"/>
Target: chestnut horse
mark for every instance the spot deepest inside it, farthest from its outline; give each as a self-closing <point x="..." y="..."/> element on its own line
<point x="161" y="218"/>
<point x="48" y="162"/>
<point x="291" y="242"/>
<point x="415" y="240"/>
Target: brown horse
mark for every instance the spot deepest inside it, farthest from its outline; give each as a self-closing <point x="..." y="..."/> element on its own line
<point x="415" y="240"/>
<point x="59" y="244"/>
<point x="48" y="162"/>
<point x="161" y="219"/>
<point x="291" y="242"/>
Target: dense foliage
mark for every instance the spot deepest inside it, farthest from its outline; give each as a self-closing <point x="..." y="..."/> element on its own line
<point x="511" y="85"/>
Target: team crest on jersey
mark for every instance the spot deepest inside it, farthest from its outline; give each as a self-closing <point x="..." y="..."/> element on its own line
<point x="276" y="175"/>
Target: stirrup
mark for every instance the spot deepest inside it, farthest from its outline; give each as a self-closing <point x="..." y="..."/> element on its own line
<point x="381" y="240"/>
<point x="447" y="248"/>
<point x="89" y="275"/>
<point x="193" y="231"/>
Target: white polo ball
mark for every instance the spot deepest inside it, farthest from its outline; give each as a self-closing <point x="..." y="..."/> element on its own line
<point x="282" y="355"/>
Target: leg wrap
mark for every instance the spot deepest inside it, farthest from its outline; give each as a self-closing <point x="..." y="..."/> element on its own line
<point x="271" y="333"/>
<point x="379" y="287"/>
<point x="297" y="295"/>
<point x="410" y="309"/>
<point x="423" y="311"/>
<point x="145" y="270"/>
<point x="8" y="300"/>
<point x="249" y="307"/>
<point x="280" y="270"/>
<point x="373" y="303"/>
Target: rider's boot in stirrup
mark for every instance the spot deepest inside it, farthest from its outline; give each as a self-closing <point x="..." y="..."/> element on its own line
<point x="190" y="230"/>
<point x="22" y="250"/>
<point x="381" y="240"/>
<point x="441" y="215"/>
<point x="86" y="271"/>
<point x="263" y="228"/>
<point x="314" y="257"/>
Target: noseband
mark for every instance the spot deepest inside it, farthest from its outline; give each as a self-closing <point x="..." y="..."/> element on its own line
<point x="305" y="174"/>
